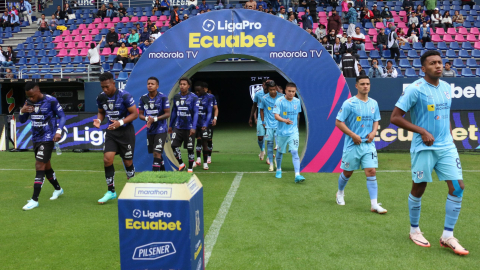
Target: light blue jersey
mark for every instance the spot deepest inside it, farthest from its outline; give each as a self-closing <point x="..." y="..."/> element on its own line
<point x="287" y="110"/>
<point x="267" y="105"/>
<point x="258" y="99"/>
<point x="429" y="108"/>
<point x="359" y="117"/>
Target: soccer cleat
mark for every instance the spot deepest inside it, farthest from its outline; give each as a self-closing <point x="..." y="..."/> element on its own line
<point x="190" y="170"/>
<point x="377" y="208"/>
<point x="268" y="161"/>
<point x="205" y="167"/>
<point x="198" y="162"/>
<point x="453" y="244"/>
<point x="209" y="159"/>
<point x="56" y="194"/>
<point x="181" y="167"/>
<point x="278" y="174"/>
<point x="299" y="179"/>
<point x="275" y="147"/>
<point x="107" y="197"/>
<point x="418" y="239"/>
<point x="262" y="155"/>
<point x="340" y="199"/>
<point x="270" y="169"/>
<point x="30" y="205"/>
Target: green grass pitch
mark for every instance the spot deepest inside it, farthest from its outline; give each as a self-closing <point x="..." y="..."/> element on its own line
<point x="271" y="224"/>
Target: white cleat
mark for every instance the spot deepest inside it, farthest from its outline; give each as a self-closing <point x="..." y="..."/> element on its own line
<point x="377" y="208"/>
<point x="30" y="205"/>
<point x="194" y="164"/>
<point x="198" y="162"/>
<point x="209" y="159"/>
<point x="340" y="199"/>
<point x="56" y="194"/>
<point x="268" y="161"/>
<point x="190" y="170"/>
<point x="262" y="155"/>
<point x="271" y="168"/>
<point x="205" y="167"/>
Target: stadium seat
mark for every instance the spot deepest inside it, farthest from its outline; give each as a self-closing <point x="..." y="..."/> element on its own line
<point x="412" y="54"/>
<point x="442" y="46"/>
<point x="472" y="63"/>
<point x="129" y="67"/>
<point x="364" y="63"/>
<point x="55" y="60"/>
<point x="404" y="63"/>
<point x="66" y="60"/>
<point x="33" y="69"/>
<point x="410" y="73"/>
<point x="476" y="53"/>
<point x="477" y="72"/>
<point x="36" y="76"/>
<point x="21" y="54"/>
<point x="439" y="31"/>
<point x="458" y="63"/>
<point x="402" y="54"/>
<point x="421" y="73"/>
<point x="436" y="38"/>
<point x="45" y="69"/>
<point x="117" y="67"/>
<point x="57" y="69"/>
<point x="122" y="76"/>
<point x="471" y="38"/>
<point x="447" y="38"/>
<point x="460" y="38"/>
<point x="68" y="68"/>
<point x="52" y="53"/>
<point x="374" y="54"/>
<point x="33" y="61"/>
<point x="44" y="61"/>
<point x="416" y="63"/>
<point x="387" y="54"/>
<point x="22" y="61"/>
<point x="417" y="46"/>
<point x="463" y="54"/>
<point x="48" y="76"/>
<point x="362" y="54"/>
<point x="80" y="69"/>
<point x="451" y="54"/>
<point x="406" y="47"/>
<point x="31" y="53"/>
<point x="467" y="46"/>
<point x="476" y="45"/>
<point x="83" y="52"/>
<point x="467" y="72"/>
<point x="106" y="51"/>
<point x="106" y="67"/>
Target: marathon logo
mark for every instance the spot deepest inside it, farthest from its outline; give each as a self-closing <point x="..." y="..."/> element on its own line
<point x="153" y="192"/>
<point x="154" y="251"/>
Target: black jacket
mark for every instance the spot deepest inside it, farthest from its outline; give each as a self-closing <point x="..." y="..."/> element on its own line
<point x="7" y="55"/>
<point x="376" y="14"/>
<point x="343" y="48"/>
<point x="59" y="14"/>
<point x="112" y="37"/>
<point x="382" y="39"/>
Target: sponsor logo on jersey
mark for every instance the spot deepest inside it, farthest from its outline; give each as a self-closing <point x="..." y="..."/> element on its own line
<point x="182" y="102"/>
<point x="419" y="174"/>
<point x="447" y="95"/>
<point x="160" y="141"/>
<point x="373" y="109"/>
<point x="129" y="147"/>
<point x="269" y="108"/>
<point x="340" y="110"/>
<point x="359" y="118"/>
<point x="40" y="153"/>
<point x="254" y="88"/>
<point x="41" y="147"/>
<point x="284" y="113"/>
<point x="431" y="107"/>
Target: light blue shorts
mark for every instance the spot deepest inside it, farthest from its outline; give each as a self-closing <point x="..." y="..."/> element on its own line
<point x="364" y="154"/>
<point x="291" y="141"/>
<point x="260" y="128"/>
<point x="446" y="163"/>
<point x="270" y="134"/>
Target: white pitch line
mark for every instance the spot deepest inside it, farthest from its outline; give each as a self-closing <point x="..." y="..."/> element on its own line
<point x="214" y="230"/>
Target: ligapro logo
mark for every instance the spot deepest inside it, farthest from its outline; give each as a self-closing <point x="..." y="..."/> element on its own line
<point x="137" y="213"/>
<point x="210" y="25"/>
<point x="159" y="214"/>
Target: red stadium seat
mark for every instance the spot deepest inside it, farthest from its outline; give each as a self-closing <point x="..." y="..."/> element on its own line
<point x="85" y="32"/>
<point x="94" y="32"/>
<point x="92" y="26"/>
<point x="439" y="31"/>
<point x="106" y="51"/>
<point x="436" y="38"/>
<point x="125" y="20"/>
<point x="73" y="52"/>
<point x="134" y="19"/>
<point x="477" y="45"/>
<point x="144" y="19"/>
<point x="65" y="33"/>
<point x="372" y="32"/>
<point x="78" y="38"/>
<point x="110" y="25"/>
<point x="471" y="38"/>
<point x="447" y="38"/>
<point x="162" y="18"/>
<point x="75" y="32"/>
<point x="107" y="20"/>
<point x="82" y="26"/>
<point x="63" y="52"/>
<point x="88" y="38"/>
<point x="58" y="39"/>
<point x="369" y="47"/>
<point x="83" y="52"/>
<point x="153" y="18"/>
<point x="379" y="25"/>
<point x="97" y="20"/>
<point x="474" y="31"/>
<point x="71" y="45"/>
<point x="462" y="31"/>
<point x="115" y="20"/>
<point x="60" y="45"/>
<point x="459" y="38"/>
<point x="67" y="39"/>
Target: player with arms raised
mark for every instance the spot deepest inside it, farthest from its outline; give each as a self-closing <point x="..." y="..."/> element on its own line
<point x="120" y="109"/>
<point x="287" y="111"/>
<point x="358" y="119"/>
<point x="429" y="101"/>
<point x="154" y="108"/>
<point x="257" y="101"/>
<point x="204" y="119"/>
<point x="43" y="110"/>
<point x="183" y="122"/>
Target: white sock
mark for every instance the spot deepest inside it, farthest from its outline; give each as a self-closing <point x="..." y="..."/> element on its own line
<point x="279" y="169"/>
<point x="205" y="165"/>
<point x="374" y="202"/>
<point x="414" y="229"/>
<point x="297" y="174"/>
<point x="341" y="192"/>
<point x="447" y="234"/>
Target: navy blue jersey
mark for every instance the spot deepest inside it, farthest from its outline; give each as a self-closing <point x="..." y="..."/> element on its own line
<point x="44" y="118"/>
<point x="184" y="111"/>
<point x="116" y="107"/>
<point x="205" y="110"/>
<point x="155" y="107"/>
<point x="214" y="99"/>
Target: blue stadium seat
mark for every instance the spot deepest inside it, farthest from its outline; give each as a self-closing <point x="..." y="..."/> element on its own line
<point x="66" y="60"/>
<point x="404" y="63"/>
<point x="36" y="76"/>
<point x="402" y="54"/>
<point x="410" y="73"/>
<point x="31" y="53"/>
<point x="122" y="76"/>
<point x="129" y="67"/>
<point x="467" y="46"/>
<point x="374" y="54"/>
<point x="364" y="63"/>
<point x="106" y="67"/>
<point x="476" y="53"/>
<point x="458" y="63"/>
<point x="442" y="46"/>
<point x="57" y="69"/>
<point x="369" y="25"/>
<point x="80" y="69"/>
<point x="21" y="54"/>
<point x="104" y="31"/>
<point x="77" y="60"/>
<point x="30" y="46"/>
<point x="52" y="53"/>
<point x="22" y="61"/>
<point x="41" y="53"/>
<point x="56" y="33"/>
<point x="463" y="54"/>
<point x="44" y="61"/>
<point x="421" y="73"/>
<point x="45" y="69"/>
<point x="454" y="45"/>
<point x="362" y="54"/>
<point x="34" y="70"/>
<point x="68" y="68"/>
<point x="33" y="61"/>
<point x="406" y="46"/>
<point x="387" y="54"/>
<point x="417" y="46"/>
<point x="472" y="63"/>
<point x="20" y="47"/>
<point x="451" y="54"/>
<point x="416" y="63"/>
<point x="110" y="59"/>
<point x="55" y="60"/>
<point x="97" y="38"/>
<point x="477" y="72"/>
<point x="117" y="67"/>
<point x="467" y="72"/>
<point x="412" y="54"/>
<point x="48" y="76"/>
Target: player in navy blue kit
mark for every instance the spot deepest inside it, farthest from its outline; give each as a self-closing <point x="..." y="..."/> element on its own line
<point x="154" y="108"/>
<point x="204" y="119"/>
<point x="43" y="110"/>
<point x="183" y="122"/>
<point x="120" y="109"/>
<point x="212" y="123"/>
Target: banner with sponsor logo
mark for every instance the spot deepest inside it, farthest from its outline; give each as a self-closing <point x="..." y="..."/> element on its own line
<point x="464" y="129"/>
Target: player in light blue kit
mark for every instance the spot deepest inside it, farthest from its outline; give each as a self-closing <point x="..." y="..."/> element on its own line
<point x="358" y="119"/>
<point x="268" y="118"/>
<point x="287" y="111"/>
<point x="429" y="102"/>
<point x="257" y="99"/>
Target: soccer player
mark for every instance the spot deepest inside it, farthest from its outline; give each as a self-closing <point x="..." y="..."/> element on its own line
<point x="43" y="110"/>
<point x="429" y="102"/>
<point x="212" y="123"/>
<point x="120" y="109"/>
<point x="154" y="108"/>
<point x="358" y="119"/>
<point x="268" y="118"/>
<point x="204" y="119"/>
<point x="287" y="111"/>
<point x="183" y="122"/>
<point x="257" y="99"/>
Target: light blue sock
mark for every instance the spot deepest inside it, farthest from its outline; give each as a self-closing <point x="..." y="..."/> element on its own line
<point x="261" y="144"/>
<point x="279" y="160"/>
<point x="414" y="207"/>
<point x="372" y="187"/>
<point x="342" y="182"/>
<point x="296" y="161"/>
<point x="452" y="210"/>
<point x="270" y="151"/>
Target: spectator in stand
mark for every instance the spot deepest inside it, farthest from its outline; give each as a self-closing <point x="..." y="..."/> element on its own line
<point x="413" y="33"/>
<point x="112" y="38"/>
<point x="15" y="10"/>
<point x="102" y="12"/>
<point x="430" y="6"/>
<point x="334" y="3"/>
<point x="121" y="40"/>
<point x="387" y="16"/>
<point x="220" y="4"/>
<point x="164" y="5"/>
<point x="388" y="29"/>
<point x="436" y="19"/>
<point x="192" y="4"/>
<point x="144" y="46"/>
<point x="134" y="54"/>
<point x="344" y="38"/>
<point x="307" y="20"/>
<point x="334" y="22"/>
<point x="457" y="19"/>
<point x="425" y="33"/>
<point x="291" y="18"/>
<point x="408" y="4"/>
<point x="331" y="37"/>
<point x="447" y="21"/>
<point x="468" y="2"/>
<point x="323" y="3"/>
<point x="401" y="36"/>
<point x="68" y="11"/>
<point x="369" y="17"/>
<point x="295" y="4"/>
<point x="275" y="4"/>
<point x="14" y="20"/>
<point x="282" y="14"/>
<point x="59" y="14"/>
<point x="133" y="37"/>
<point x="382" y="40"/>
<point x="153" y="30"/>
<point x="326" y="44"/>
<point x="361" y="72"/>
<point x="337" y="49"/>
<point x="53" y="24"/>
<point x="139" y="30"/>
<point x="42" y="24"/>
<point x="375" y="70"/>
<point x="312" y="6"/>
<point x="94" y="54"/>
<point x="26" y="10"/>
<point x="2" y="55"/>
<point x="377" y="15"/>
<point x="345" y="9"/>
<point x="6" y="18"/>
<point x="122" y="55"/>
<point x="349" y="45"/>
<point x="204" y="6"/>
<point x="262" y="4"/>
<point x="145" y="35"/>
<point x="156" y="6"/>
<point x="309" y="31"/>
<point x="111" y="11"/>
<point x="321" y="31"/>
<point x="413" y="19"/>
<point x="425" y="18"/>
<point x="185" y="17"/>
<point x="419" y="10"/>
<point x="359" y="3"/>
<point x="150" y="25"/>
<point x="174" y="17"/>
<point x="359" y="39"/>
<point x="10" y="57"/>
<point x="250" y="4"/>
<point x="9" y="74"/>
<point x="122" y="12"/>
<point x="447" y="71"/>
<point x="392" y="44"/>
<point x="352" y="19"/>
<point x="389" y="71"/>
<point x="260" y="8"/>
<point x="349" y="64"/>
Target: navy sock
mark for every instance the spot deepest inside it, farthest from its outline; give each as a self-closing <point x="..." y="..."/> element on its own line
<point x="109" y="177"/>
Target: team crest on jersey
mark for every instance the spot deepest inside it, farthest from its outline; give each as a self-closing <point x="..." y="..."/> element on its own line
<point x="182" y="102"/>
<point x="419" y="174"/>
<point x="347" y="164"/>
<point x="145" y="107"/>
<point x="177" y="103"/>
<point x="36" y="109"/>
<point x="152" y="105"/>
<point x="110" y="106"/>
<point x="373" y="109"/>
<point x="447" y="95"/>
<point x="403" y="93"/>
<point x="295" y="107"/>
<point x="105" y="107"/>
<point x="340" y="110"/>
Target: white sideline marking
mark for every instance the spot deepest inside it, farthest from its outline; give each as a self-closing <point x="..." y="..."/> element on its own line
<point x="214" y="230"/>
<point x="379" y="171"/>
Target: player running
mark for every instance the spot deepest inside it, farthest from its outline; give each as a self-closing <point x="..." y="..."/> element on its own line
<point x="204" y="119"/>
<point x="183" y="122"/>
<point x="429" y="102"/>
<point x="287" y="111"/>
<point x="257" y="99"/>
<point x="154" y="108"/>
<point x="212" y="123"/>
<point x="120" y="109"/>
<point x="43" y="110"/>
<point x="268" y="118"/>
<point x="358" y="119"/>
